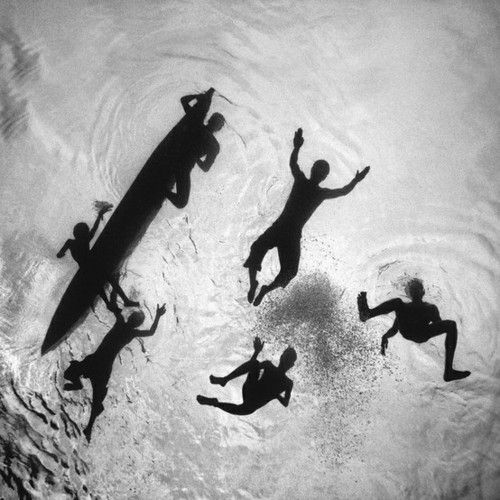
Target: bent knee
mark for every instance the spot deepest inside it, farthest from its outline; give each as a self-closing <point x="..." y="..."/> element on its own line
<point x="450" y="325"/>
<point x="286" y="276"/>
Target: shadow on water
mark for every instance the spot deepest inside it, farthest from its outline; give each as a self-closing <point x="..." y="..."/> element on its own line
<point x="97" y="367"/>
<point x="286" y="232"/>
<point x="417" y="321"/>
<point x="189" y="143"/>
<point x="264" y="382"/>
<point x="312" y="317"/>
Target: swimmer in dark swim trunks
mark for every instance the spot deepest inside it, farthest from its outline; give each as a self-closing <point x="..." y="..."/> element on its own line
<point x="264" y="382"/>
<point x="417" y="321"/>
<point x="285" y="233"/>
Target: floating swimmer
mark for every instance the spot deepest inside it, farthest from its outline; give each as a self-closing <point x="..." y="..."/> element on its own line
<point x="97" y="367"/>
<point x="285" y="233"/>
<point x="417" y="321"/>
<point x="80" y="251"/>
<point x="264" y="382"/>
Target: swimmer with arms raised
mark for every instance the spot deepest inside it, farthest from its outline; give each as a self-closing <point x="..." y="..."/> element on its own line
<point x="285" y="233"/>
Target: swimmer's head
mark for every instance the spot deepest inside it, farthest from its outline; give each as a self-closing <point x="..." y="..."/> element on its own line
<point x="81" y="230"/>
<point x="415" y="289"/>
<point x="319" y="171"/>
<point x="136" y="319"/>
<point x="288" y="358"/>
<point x="216" y="122"/>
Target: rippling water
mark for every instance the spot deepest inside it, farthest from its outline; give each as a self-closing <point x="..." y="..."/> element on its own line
<point x="87" y="90"/>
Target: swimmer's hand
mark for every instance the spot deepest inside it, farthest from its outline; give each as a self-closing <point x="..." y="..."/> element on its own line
<point x="102" y="207"/>
<point x="258" y="345"/>
<point x="298" y="139"/>
<point x="361" y="175"/>
<point x="160" y="310"/>
<point x="384" y="344"/>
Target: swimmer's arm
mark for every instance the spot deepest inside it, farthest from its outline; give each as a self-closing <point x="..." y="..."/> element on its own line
<point x="213" y="151"/>
<point x="385" y="338"/>
<point x="435" y="316"/>
<point x="336" y="193"/>
<point x="100" y="216"/>
<point x="160" y="311"/>
<point x="64" y="249"/>
<point x="284" y="400"/>
<point x="186" y="100"/>
<point x="298" y="140"/>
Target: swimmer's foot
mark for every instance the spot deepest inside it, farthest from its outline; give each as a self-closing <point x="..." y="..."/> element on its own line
<point x="263" y="291"/>
<point x="363" y="308"/>
<point x="455" y="375"/>
<point x="206" y="401"/>
<point x="251" y="292"/>
<point x="88" y="433"/>
<point x="73" y="385"/>
<point x="217" y="380"/>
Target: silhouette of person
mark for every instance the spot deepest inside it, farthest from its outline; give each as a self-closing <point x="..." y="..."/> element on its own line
<point x="97" y="367"/>
<point x="417" y="321"/>
<point x="264" y="382"/>
<point x="190" y="142"/>
<point x="286" y="232"/>
<point x="80" y="251"/>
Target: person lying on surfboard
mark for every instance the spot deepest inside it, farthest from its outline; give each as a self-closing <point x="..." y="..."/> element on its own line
<point x="79" y="247"/>
<point x="192" y="142"/>
<point x="97" y="367"/>
<point x="264" y="382"/>
<point x="285" y="233"/>
<point x="417" y="321"/>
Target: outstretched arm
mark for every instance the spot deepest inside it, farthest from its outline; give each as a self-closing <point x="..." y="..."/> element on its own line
<point x="64" y="249"/>
<point x="160" y="311"/>
<point x="336" y="193"/>
<point x="385" y="338"/>
<point x="258" y="345"/>
<point x="298" y="140"/>
<point x="100" y="217"/>
<point x="284" y="400"/>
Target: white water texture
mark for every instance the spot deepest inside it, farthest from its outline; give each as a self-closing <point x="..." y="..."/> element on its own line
<point x="87" y="91"/>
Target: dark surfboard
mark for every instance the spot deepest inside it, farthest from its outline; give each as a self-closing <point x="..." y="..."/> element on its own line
<point x="128" y="223"/>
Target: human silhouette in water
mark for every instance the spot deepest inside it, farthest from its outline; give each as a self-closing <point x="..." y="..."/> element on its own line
<point x="97" y="367"/>
<point x="191" y="142"/>
<point x="80" y="251"/>
<point x="418" y="321"/>
<point x="286" y="231"/>
<point x="264" y="382"/>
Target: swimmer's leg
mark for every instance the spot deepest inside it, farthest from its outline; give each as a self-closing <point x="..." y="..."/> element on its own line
<point x="183" y="187"/>
<point x="99" y="392"/>
<point x="227" y="407"/>
<point x="385" y="308"/>
<point x="289" y="255"/>
<point x="450" y="343"/>
<point x="258" y="251"/>
<point x="73" y="374"/>
<point x="251" y="367"/>
<point x="117" y="289"/>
